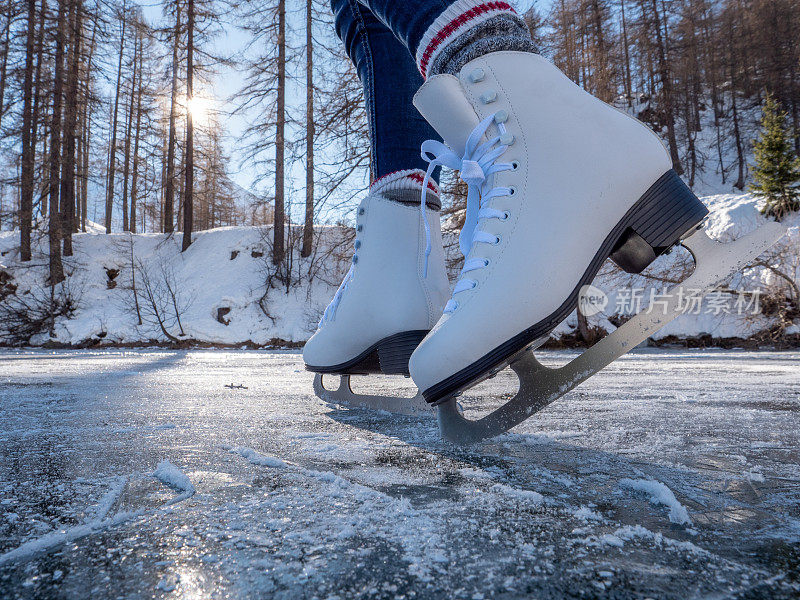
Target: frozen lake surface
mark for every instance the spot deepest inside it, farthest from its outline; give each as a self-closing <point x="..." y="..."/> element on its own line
<point x="138" y="474"/>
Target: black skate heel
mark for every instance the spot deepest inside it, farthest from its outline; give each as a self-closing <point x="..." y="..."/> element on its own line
<point x="394" y="352"/>
<point x="658" y="221"/>
<point x="388" y="356"/>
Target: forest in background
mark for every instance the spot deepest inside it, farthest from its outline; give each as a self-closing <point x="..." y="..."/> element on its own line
<point x="682" y="65"/>
<point x="104" y="114"/>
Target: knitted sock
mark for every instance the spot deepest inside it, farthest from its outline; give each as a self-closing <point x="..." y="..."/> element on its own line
<point x="406" y="186"/>
<point x="468" y="29"/>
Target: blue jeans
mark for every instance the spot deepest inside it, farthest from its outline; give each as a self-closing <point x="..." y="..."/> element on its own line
<point x="381" y="41"/>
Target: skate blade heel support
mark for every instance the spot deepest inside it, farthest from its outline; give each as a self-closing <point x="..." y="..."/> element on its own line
<point x="393" y="354"/>
<point x="540" y="385"/>
<point x="344" y="397"/>
<point x="658" y="220"/>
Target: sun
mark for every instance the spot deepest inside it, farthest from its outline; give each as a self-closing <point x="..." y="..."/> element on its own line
<point x="200" y="108"/>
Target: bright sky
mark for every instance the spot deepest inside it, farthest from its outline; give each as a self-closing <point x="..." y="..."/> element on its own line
<point x="215" y="99"/>
<point x="230" y="80"/>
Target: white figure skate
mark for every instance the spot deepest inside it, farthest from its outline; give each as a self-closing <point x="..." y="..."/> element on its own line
<point x="558" y="182"/>
<point x="390" y="298"/>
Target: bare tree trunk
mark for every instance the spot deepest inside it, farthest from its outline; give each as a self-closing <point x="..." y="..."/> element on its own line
<point x="601" y="76"/>
<point x="85" y="136"/>
<point x="70" y="125"/>
<point x="133" y="281"/>
<point x="169" y="193"/>
<point x="37" y="92"/>
<point x="738" y="137"/>
<point x="80" y="152"/>
<point x="112" y="161"/>
<point x="126" y="169"/>
<point x="736" y="133"/>
<point x="278" y="243"/>
<point x="54" y="233"/>
<point x="163" y="191"/>
<point x="690" y="135"/>
<point x="308" y="224"/>
<point x="26" y="176"/>
<point x="628" y="86"/>
<point x="135" y="176"/>
<point x="181" y="181"/>
<point x="666" y="86"/>
<point x="188" y="202"/>
<point x="4" y="64"/>
<point x="87" y="130"/>
<point x="713" y="71"/>
<point x="795" y="110"/>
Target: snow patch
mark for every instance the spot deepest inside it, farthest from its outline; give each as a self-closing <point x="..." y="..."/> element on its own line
<point x="526" y="496"/>
<point x="110" y="497"/>
<point x="660" y="494"/>
<point x="256" y="458"/>
<point x="62" y="536"/>
<point x="584" y="513"/>
<point x="634" y="532"/>
<point x="172" y="476"/>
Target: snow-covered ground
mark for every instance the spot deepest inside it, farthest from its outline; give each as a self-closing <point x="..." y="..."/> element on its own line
<point x="138" y="474"/>
<point x="222" y="293"/>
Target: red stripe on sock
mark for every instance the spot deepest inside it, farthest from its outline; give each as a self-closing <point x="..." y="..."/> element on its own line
<point x="419" y="179"/>
<point x="416" y="177"/>
<point x="460" y="20"/>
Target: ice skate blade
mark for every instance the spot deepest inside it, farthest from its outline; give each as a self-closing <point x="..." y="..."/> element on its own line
<point x="540" y="385"/>
<point x="344" y="396"/>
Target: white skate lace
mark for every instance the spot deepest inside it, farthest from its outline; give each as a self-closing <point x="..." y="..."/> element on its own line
<point x="330" y="310"/>
<point x="476" y="169"/>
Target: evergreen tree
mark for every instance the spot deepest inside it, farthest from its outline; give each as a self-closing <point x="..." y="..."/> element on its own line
<point x="777" y="170"/>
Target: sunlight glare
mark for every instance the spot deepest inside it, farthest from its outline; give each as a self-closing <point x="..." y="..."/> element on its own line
<point x="201" y="108"/>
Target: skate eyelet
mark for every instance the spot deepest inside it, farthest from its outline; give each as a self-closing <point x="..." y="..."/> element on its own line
<point x="358" y="244"/>
<point x="514" y="165"/>
<point x="496" y="240"/>
<point x="489" y="97"/>
<point x="505" y="216"/>
<point x="477" y="75"/>
<point x="355" y="259"/>
<point x="506" y="139"/>
<point x="486" y="262"/>
<point x="501" y="117"/>
<point x="360" y="228"/>
<point x="512" y="190"/>
<point x="361" y="211"/>
<point x="474" y="284"/>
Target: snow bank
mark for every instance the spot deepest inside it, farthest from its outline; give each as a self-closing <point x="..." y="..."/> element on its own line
<point x="221" y="280"/>
<point x="731" y="216"/>
<point x="660" y="494"/>
<point x="224" y="297"/>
